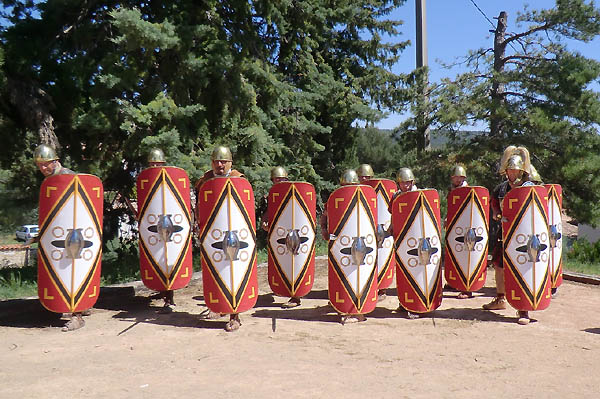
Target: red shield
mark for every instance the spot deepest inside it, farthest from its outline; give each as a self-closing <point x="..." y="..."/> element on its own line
<point x="352" y="220"/>
<point x="526" y="249"/>
<point x="291" y="242"/>
<point x="165" y="228"/>
<point x="70" y="242"/>
<point x="465" y="254"/>
<point x="555" y="232"/>
<point x="228" y="244"/>
<point x="417" y="243"/>
<point x="386" y="264"/>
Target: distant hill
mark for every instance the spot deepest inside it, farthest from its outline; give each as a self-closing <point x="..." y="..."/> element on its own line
<point x="439" y="137"/>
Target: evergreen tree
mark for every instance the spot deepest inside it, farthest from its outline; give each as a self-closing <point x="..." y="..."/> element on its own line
<point x="281" y="83"/>
<point x="531" y="90"/>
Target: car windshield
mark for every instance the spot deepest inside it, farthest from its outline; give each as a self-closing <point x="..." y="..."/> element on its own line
<point x="34" y="229"/>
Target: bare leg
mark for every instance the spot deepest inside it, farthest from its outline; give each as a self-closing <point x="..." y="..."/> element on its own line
<point x="499" y="302"/>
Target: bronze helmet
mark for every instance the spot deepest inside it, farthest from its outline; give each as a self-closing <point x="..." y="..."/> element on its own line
<point x="459" y="170"/>
<point x="221" y="153"/>
<point x="349" y="177"/>
<point x="534" y="175"/>
<point x="278" y="171"/>
<point x="365" y="170"/>
<point x="44" y="153"/>
<point x="404" y="175"/>
<point x="515" y="162"/>
<point x="156" y="155"/>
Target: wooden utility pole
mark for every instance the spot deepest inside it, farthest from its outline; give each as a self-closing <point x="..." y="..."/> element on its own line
<point x="424" y="140"/>
<point x="497" y="94"/>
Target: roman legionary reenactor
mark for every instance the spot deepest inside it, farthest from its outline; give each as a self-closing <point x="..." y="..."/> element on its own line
<point x="522" y="274"/>
<point x="227" y="225"/>
<point x="290" y="222"/>
<point x="350" y="225"/>
<point x="417" y="244"/>
<point x="70" y="238"/>
<point x="466" y="223"/>
<point x="165" y="227"/>
<point x="386" y="264"/>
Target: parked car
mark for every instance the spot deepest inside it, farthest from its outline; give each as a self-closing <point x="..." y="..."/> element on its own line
<point x="27" y="232"/>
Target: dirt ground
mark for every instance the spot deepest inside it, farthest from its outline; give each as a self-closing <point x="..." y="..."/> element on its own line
<point x="128" y="350"/>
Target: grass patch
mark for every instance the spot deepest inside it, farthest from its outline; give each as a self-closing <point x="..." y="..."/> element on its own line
<point x="7" y="238"/>
<point x="582" y="267"/>
<point x="17" y="283"/>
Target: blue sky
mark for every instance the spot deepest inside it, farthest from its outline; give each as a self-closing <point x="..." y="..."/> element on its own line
<point x="456" y="26"/>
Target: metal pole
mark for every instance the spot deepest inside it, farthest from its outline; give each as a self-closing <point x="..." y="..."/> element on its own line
<point x="421" y="19"/>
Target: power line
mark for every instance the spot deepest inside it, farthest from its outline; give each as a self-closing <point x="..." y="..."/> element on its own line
<point x="491" y="23"/>
<point x="482" y="13"/>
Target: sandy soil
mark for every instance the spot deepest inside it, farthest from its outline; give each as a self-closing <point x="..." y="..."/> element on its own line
<point x="129" y="350"/>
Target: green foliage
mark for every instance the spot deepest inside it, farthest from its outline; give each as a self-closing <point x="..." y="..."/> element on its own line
<point x="120" y="262"/>
<point x="535" y="93"/>
<point x="583" y="251"/>
<point x="281" y="83"/>
<point x="18" y="283"/>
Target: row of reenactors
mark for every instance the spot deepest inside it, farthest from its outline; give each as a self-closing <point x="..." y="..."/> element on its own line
<point x="376" y="229"/>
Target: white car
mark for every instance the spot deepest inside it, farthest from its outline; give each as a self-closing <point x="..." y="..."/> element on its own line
<point x="27" y="232"/>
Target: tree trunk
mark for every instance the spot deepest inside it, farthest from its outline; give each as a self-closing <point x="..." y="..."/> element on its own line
<point x="33" y="107"/>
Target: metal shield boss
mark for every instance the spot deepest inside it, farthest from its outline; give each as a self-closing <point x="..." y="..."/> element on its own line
<point x="526" y="248"/>
<point x="417" y="243"/>
<point x="70" y="242"/>
<point x="227" y="227"/>
<point x="466" y="249"/>
<point x="555" y="232"/>
<point x="352" y="253"/>
<point x="386" y="264"/>
<point x="291" y="239"/>
<point x="165" y="228"/>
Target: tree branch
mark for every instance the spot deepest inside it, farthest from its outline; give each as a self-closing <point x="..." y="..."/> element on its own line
<point x="526" y="33"/>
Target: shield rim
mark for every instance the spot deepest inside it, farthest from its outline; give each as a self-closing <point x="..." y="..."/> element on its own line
<point x="358" y="302"/>
<point x="183" y="258"/>
<point x="533" y="299"/>
<point x="293" y="287"/>
<point x="246" y="281"/>
<point x="468" y="284"/>
<point x="71" y="302"/>
<point x="429" y="302"/>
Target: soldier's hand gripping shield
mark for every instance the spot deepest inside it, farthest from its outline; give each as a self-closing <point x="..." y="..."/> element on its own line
<point x="70" y="242"/>
<point x="466" y="247"/>
<point x="165" y="228"/>
<point x="386" y="263"/>
<point x="227" y="225"/>
<point x="555" y="232"/>
<point x="417" y="243"/>
<point x="526" y="248"/>
<point x="352" y="253"/>
<point x="291" y="239"/>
